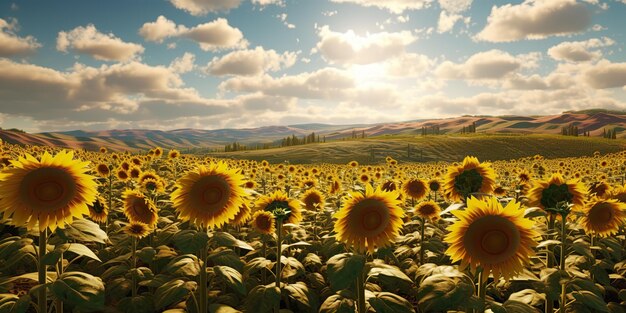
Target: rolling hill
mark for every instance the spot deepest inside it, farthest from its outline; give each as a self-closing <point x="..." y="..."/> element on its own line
<point x="592" y="121"/>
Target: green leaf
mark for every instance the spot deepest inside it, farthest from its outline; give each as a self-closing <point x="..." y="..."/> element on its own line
<point x="138" y="304"/>
<point x="81" y="290"/>
<point x="291" y="267"/>
<point x="225" y="256"/>
<point x="518" y="307"/>
<point x="221" y="308"/>
<point x="231" y="277"/>
<point x="390" y="277"/>
<point x="306" y="301"/>
<point x="263" y="298"/>
<point x="547" y="243"/>
<point x="440" y="292"/>
<point x="338" y="303"/>
<point x="256" y="265"/>
<point x="173" y="292"/>
<point x="83" y="230"/>
<point x="534" y="212"/>
<point x="10" y="303"/>
<point x="600" y="275"/>
<point x="82" y="250"/>
<point x="342" y="269"/>
<point x="222" y="239"/>
<point x="146" y="254"/>
<point x="183" y="265"/>
<point x="190" y="240"/>
<point x="528" y="296"/>
<point x="582" y="248"/>
<point x="590" y="300"/>
<point x="386" y="302"/>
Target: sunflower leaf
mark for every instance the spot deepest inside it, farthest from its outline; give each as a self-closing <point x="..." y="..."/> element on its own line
<point x="222" y="239"/>
<point x="518" y="307"/>
<point x="173" y="292"/>
<point x="342" y="269"/>
<point x="190" y="240"/>
<point x="81" y="290"/>
<point x="231" y="277"/>
<point x="184" y="265"/>
<point x="263" y="298"/>
<point x="83" y="230"/>
<point x="386" y="302"/>
<point x="590" y="300"/>
<point x="305" y="300"/>
<point x="440" y="292"/>
<point x="138" y="304"/>
<point x="221" y="308"/>
<point x="256" y="265"/>
<point x="338" y="303"/>
<point x="11" y="303"/>
<point x="390" y="277"/>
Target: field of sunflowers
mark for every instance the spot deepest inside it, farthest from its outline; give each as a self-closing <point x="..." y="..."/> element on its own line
<point x="167" y="232"/>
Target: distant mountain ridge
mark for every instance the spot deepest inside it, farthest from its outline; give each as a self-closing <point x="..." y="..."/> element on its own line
<point x="593" y="121"/>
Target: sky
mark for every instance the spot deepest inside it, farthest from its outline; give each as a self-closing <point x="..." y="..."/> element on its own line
<point x="210" y="64"/>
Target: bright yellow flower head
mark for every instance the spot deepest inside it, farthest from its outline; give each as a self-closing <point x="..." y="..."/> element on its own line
<point x="369" y="221"/>
<point x="468" y="178"/>
<point x="52" y="191"/>
<point x="498" y="239"/>
<point x="603" y="217"/>
<point x="139" y="208"/>
<point x="280" y="200"/>
<point x="546" y="194"/>
<point x="209" y="196"/>
<point x="264" y="222"/>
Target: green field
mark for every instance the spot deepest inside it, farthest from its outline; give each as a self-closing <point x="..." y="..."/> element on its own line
<point x="434" y="148"/>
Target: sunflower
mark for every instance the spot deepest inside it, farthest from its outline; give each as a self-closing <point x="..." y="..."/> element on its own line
<point x="103" y="150"/>
<point x="277" y="201"/>
<point x="368" y="221"/>
<point x="618" y="193"/>
<point x="428" y="210"/>
<point x="137" y="229"/>
<point x="470" y="177"/>
<point x="603" y="217"/>
<point x="335" y="186"/>
<point x="153" y="185"/>
<point x="264" y="222"/>
<point x="242" y="216"/>
<point x="498" y="239"/>
<point x="173" y="154"/>
<point x="122" y="174"/>
<point x="388" y="185"/>
<point x="415" y="188"/>
<point x="98" y="210"/>
<point x="210" y="195"/>
<point x="434" y="185"/>
<point x="138" y="208"/>
<point x="103" y="170"/>
<point x="313" y="200"/>
<point x="546" y="194"/>
<point x="599" y="189"/>
<point x="52" y="191"/>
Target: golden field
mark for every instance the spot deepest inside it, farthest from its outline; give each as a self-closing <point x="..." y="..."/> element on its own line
<point x="168" y="232"/>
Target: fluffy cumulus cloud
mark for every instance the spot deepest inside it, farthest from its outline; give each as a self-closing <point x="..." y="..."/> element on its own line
<point x="535" y="19"/>
<point x="251" y="62"/>
<point x="580" y="51"/>
<point x="408" y="65"/>
<point x="11" y="44"/>
<point x="350" y="48"/>
<point x="451" y="14"/>
<point x="88" y="40"/>
<point x="184" y="64"/>
<point x="268" y="2"/>
<point x="488" y="65"/>
<point x="394" y="6"/>
<point x="212" y="36"/>
<point x="202" y="7"/>
<point x="606" y="74"/>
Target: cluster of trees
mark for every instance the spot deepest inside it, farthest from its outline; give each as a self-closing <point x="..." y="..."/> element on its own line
<point x="432" y="130"/>
<point x="610" y="134"/>
<point x="469" y="129"/>
<point x="295" y="141"/>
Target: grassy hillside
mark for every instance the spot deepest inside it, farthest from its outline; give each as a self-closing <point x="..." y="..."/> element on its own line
<point x="435" y="148"/>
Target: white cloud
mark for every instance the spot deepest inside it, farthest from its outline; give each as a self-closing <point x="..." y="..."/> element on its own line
<point x="202" y="7"/>
<point x="490" y="65"/>
<point x="268" y="2"/>
<point x="183" y="64"/>
<point x="11" y="44"/>
<point x="535" y="19"/>
<point x="394" y="6"/>
<point x="212" y="36"/>
<point x="606" y="74"/>
<point x="350" y="48"/>
<point x="88" y="40"/>
<point x="251" y="62"/>
<point x="579" y="51"/>
<point x="455" y="6"/>
<point x="448" y="20"/>
<point x="408" y="65"/>
<point x="283" y="18"/>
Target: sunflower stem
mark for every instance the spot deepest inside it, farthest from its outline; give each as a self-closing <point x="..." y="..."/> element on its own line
<point x="482" y="290"/>
<point x="41" y="299"/>
<point x="562" y="260"/>
<point x="58" y="303"/>
<point x="423" y="220"/>
<point x="549" y="260"/>
<point x="279" y="241"/>
<point x="203" y="277"/>
<point x="360" y="288"/>
<point x="134" y="261"/>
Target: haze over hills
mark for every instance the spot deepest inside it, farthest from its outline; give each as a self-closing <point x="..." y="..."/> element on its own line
<point x="593" y="121"/>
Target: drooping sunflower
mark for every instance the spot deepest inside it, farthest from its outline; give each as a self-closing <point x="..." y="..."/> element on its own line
<point x="428" y="210"/>
<point x="139" y="208"/>
<point x="498" y="239"/>
<point x="369" y="221"/>
<point x="264" y="222"/>
<point x="415" y="188"/>
<point x="137" y="229"/>
<point x="242" y="216"/>
<point x="618" y="193"/>
<point x="51" y="191"/>
<point x="470" y="177"/>
<point x="280" y="201"/>
<point x="603" y="217"/>
<point x="546" y="194"/>
<point x="313" y="200"/>
<point x="98" y="210"/>
<point x="210" y="195"/>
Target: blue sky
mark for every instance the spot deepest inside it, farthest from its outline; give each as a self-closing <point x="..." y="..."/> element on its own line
<point x="170" y="64"/>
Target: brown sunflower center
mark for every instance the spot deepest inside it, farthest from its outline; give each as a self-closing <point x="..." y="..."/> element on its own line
<point x="212" y="195"/>
<point x="48" y="187"/>
<point x="495" y="241"/>
<point x="426" y="209"/>
<point x="600" y="214"/>
<point x="211" y="192"/>
<point x="372" y="220"/>
<point x="264" y="222"/>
